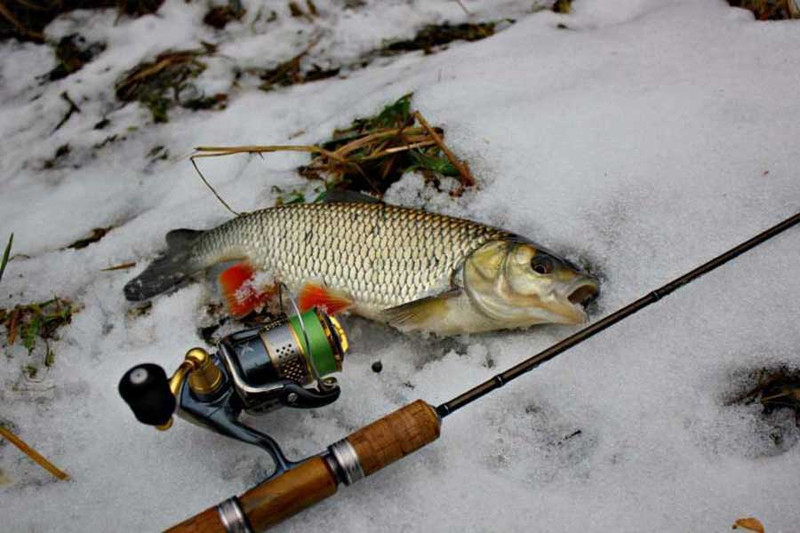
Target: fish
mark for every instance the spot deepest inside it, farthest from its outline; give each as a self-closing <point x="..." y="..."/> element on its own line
<point x="409" y="268"/>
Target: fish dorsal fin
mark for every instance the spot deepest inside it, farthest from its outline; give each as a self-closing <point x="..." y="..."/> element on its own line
<point x="420" y="314"/>
<point x="182" y="238"/>
<point x="315" y="295"/>
<point x="339" y="196"/>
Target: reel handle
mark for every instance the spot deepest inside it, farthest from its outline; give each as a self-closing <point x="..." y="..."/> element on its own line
<point x="145" y="389"/>
<point x="377" y="445"/>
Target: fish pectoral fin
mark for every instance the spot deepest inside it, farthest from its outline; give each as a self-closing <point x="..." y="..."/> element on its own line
<point x="422" y="313"/>
<point x="239" y="291"/>
<point x="330" y="300"/>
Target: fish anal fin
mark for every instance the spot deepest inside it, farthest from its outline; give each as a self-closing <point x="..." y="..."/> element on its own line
<point x="241" y="295"/>
<point x="422" y="314"/>
<point x="315" y="295"/>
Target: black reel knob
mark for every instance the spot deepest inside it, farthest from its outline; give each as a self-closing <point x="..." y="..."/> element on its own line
<point x="146" y="390"/>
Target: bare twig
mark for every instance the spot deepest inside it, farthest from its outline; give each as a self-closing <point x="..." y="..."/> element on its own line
<point x="33" y="454"/>
<point x="73" y="108"/>
<point x="218" y="151"/>
<point x="123" y="266"/>
<point x="466" y="176"/>
<point x="212" y="189"/>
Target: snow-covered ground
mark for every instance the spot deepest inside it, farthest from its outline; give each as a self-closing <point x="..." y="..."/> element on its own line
<point x="643" y="139"/>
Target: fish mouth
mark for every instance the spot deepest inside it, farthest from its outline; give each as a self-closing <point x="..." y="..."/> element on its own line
<point x="584" y="294"/>
<point x="570" y="307"/>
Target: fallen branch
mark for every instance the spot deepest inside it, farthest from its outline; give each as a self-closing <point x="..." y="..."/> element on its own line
<point x="73" y="108"/>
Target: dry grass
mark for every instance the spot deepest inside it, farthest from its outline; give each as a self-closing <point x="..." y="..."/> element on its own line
<point x="166" y="81"/>
<point x="370" y="155"/>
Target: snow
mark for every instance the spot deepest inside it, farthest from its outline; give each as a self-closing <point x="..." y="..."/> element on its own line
<point x="642" y="140"/>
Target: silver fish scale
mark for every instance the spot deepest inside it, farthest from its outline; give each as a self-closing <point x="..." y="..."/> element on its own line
<point x="381" y="255"/>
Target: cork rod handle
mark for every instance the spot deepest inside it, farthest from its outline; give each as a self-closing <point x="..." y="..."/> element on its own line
<point x="395" y="435"/>
<point x="379" y="444"/>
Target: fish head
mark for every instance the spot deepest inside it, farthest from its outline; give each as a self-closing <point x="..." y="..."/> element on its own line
<point x="518" y="283"/>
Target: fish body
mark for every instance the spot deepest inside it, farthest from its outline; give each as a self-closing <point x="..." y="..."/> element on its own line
<point x="406" y="267"/>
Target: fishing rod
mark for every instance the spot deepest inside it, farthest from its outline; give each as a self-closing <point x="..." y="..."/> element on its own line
<point x="297" y="486"/>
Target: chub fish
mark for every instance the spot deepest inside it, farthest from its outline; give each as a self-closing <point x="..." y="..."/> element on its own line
<point x="405" y="267"/>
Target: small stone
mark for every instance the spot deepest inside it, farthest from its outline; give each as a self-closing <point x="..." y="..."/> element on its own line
<point x="377" y="366"/>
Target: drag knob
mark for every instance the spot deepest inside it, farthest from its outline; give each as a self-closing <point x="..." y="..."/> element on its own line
<point x="146" y="390"/>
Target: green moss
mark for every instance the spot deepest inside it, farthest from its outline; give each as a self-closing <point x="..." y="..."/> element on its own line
<point x="35" y="325"/>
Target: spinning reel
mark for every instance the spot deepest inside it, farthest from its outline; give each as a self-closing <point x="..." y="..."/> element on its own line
<point x="284" y="363"/>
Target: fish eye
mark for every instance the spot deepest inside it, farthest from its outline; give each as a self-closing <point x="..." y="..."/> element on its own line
<point x="542" y="265"/>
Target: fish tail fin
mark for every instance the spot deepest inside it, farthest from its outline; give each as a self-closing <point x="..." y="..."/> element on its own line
<point x="170" y="270"/>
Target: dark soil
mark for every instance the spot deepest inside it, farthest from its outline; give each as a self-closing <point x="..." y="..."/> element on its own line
<point x="167" y="81"/>
<point x="431" y="37"/>
<point x="219" y="16"/>
<point x="775" y="389"/>
<point x="769" y="9"/>
<point x="72" y="53"/>
<point x="26" y="19"/>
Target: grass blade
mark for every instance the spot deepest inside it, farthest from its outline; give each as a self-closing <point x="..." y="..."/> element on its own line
<point x="6" y="255"/>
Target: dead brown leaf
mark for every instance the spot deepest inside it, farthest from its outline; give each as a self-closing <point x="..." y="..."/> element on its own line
<point x="751" y="524"/>
<point x="12" y="326"/>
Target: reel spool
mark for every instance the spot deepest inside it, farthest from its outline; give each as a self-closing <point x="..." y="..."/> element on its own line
<point x="283" y="363"/>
